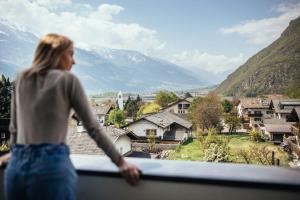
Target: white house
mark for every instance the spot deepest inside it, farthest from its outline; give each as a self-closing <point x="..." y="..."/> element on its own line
<point x="254" y="110"/>
<point x="165" y="125"/>
<point x="179" y="107"/>
<point x="81" y="143"/>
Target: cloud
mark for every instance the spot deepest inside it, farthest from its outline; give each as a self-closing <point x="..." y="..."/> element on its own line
<point x="91" y="28"/>
<point x="213" y="63"/>
<point x="52" y="2"/>
<point x="264" y="31"/>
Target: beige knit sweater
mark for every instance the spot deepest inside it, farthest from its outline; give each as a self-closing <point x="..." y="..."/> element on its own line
<point x="41" y="107"/>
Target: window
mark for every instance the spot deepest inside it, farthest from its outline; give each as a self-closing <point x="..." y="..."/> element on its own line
<point x="180" y="106"/>
<point x="3" y="136"/>
<point x="148" y="131"/>
<point x="257" y="112"/>
<point x="257" y="119"/>
<point x="269" y="112"/>
<point x="186" y="106"/>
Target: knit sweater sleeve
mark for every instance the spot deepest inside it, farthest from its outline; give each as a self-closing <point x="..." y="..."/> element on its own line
<point x="79" y="102"/>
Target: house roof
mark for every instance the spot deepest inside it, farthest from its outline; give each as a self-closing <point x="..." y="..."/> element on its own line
<point x="278" y="128"/>
<point x="255" y="103"/>
<point x="163" y="119"/>
<point x="274" y="121"/>
<point x="286" y="102"/>
<point x="101" y="109"/>
<point x="81" y="143"/>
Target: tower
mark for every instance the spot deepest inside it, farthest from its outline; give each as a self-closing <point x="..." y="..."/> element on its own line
<point x="120" y="100"/>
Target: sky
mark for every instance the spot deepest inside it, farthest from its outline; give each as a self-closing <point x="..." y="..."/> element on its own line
<point x="210" y="35"/>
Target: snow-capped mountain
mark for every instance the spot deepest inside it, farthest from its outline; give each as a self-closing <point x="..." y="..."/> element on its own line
<point x="99" y="70"/>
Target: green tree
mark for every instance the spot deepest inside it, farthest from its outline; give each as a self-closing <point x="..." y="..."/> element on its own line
<point x="116" y="117"/>
<point x="254" y="135"/>
<point x="293" y="93"/>
<point x="227" y="106"/>
<point x="233" y="122"/>
<point x="163" y="98"/>
<point x="132" y="106"/>
<point x="148" y="108"/>
<point x="151" y="141"/>
<point x="5" y="96"/>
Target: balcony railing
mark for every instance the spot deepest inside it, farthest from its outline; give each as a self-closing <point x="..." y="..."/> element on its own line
<point x="177" y="180"/>
<point x="255" y="115"/>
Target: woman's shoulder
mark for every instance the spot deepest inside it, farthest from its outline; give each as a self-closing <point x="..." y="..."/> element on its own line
<point x="62" y="74"/>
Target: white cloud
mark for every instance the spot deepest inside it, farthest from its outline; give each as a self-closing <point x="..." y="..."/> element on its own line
<point x="92" y="28"/>
<point x="265" y="31"/>
<point x="213" y="63"/>
<point x="52" y="2"/>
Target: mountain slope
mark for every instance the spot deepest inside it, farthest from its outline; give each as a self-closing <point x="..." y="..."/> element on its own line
<point x="272" y="70"/>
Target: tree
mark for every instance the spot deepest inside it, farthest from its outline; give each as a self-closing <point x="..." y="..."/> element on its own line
<point x="163" y="98"/>
<point x="151" y="141"/>
<point x="5" y="96"/>
<point x="227" y="106"/>
<point x="254" y="135"/>
<point x="233" y="121"/>
<point x="116" y="117"/>
<point x="293" y="92"/>
<point x="132" y="106"/>
<point x="215" y="147"/>
<point x="256" y="155"/>
<point x="148" y="108"/>
<point x="206" y="112"/>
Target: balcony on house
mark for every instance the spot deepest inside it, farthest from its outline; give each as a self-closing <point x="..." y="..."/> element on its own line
<point x="98" y="178"/>
<point x="255" y="114"/>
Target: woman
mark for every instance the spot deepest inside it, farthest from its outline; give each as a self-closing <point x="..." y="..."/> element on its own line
<point x="40" y="167"/>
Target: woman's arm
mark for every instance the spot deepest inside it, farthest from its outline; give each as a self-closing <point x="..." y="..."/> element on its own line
<point x="79" y="102"/>
<point x="82" y="108"/>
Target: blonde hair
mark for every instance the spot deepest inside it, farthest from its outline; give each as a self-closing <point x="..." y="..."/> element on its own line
<point x="48" y="53"/>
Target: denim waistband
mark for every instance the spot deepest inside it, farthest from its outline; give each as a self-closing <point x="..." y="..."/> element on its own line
<point x="44" y="149"/>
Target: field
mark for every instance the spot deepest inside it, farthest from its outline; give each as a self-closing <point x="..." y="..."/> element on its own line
<point x="191" y="150"/>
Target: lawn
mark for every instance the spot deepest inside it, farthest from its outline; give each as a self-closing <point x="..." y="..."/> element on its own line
<point x="191" y="150"/>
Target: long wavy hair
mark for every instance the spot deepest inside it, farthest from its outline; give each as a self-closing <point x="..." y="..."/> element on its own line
<point x="48" y="53"/>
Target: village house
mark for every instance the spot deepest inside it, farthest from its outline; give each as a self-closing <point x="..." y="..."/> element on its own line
<point x="81" y="143"/>
<point x="165" y="126"/>
<point x="254" y="110"/>
<point x="180" y="107"/>
<point x="276" y="132"/>
<point x="102" y="111"/>
<point x="283" y="108"/>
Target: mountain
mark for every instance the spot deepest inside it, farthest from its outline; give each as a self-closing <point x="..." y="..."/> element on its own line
<point x="99" y="70"/>
<point x="274" y="69"/>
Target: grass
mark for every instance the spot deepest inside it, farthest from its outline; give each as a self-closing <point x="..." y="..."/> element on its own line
<point x="191" y="150"/>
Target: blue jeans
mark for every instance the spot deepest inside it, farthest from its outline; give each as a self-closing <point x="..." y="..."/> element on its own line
<point x="42" y="171"/>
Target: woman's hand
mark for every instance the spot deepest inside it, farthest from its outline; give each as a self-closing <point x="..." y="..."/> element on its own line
<point x="4" y="159"/>
<point x="130" y="172"/>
